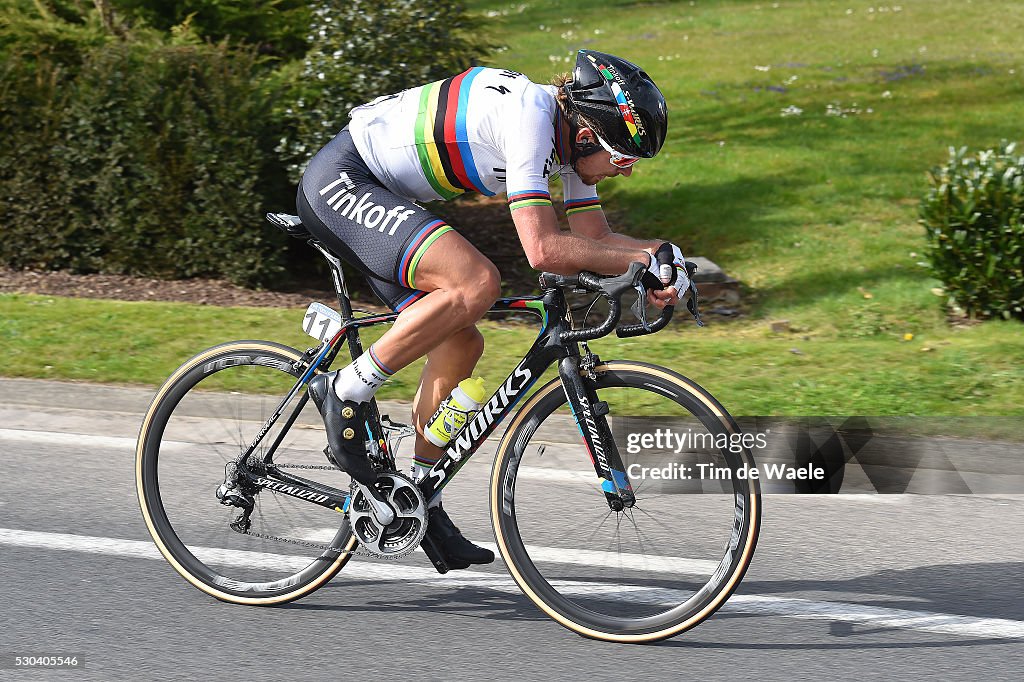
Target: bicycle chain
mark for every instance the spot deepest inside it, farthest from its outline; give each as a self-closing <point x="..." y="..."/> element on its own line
<point x="358" y="551"/>
<point x="323" y="467"/>
<point x="303" y="543"/>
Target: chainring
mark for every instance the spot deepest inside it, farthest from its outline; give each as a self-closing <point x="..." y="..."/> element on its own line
<point x="403" y="535"/>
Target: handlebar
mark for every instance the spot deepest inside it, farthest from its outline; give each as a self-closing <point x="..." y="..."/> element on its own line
<point x="612" y="289"/>
<point x="628" y="330"/>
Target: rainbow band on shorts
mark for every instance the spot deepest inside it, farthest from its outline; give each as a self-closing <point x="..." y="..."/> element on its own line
<point x="418" y="246"/>
<point x="409" y="300"/>
<point x="526" y="198"/>
<point x="581" y="205"/>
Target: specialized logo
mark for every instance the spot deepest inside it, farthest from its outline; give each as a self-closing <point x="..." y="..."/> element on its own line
<point x="293" y="490"/>
<point x="737" y="525"/>
<point x="361" y="210"/>
<point x="725" y="566"/>
<point x="508" y="485"/>
<point x="238" y="586"/>
<point x="235" y="360"/>
<point x="587" y="416"/>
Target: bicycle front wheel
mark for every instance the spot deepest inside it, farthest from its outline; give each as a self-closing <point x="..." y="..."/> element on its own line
<point x="202" y="419"/>
<point x="653" y="569"/>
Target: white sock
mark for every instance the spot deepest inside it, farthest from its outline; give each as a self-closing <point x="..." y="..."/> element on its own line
<point x="418" y="472"/>
<point x="361" y="379"/>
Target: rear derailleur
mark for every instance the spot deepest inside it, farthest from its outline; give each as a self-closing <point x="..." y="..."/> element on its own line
<point x="235" y="491"/>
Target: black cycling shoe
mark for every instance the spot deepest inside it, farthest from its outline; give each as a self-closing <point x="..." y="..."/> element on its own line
<point x="458" y="551"/>
<point x="345" y="422"/>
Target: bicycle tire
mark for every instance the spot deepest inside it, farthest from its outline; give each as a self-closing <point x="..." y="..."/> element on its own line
<point x="225" y="420"/>
<point x="601" y="594"/>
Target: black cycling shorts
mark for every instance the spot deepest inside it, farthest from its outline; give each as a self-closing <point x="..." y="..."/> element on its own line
<point x="351" y="212"/>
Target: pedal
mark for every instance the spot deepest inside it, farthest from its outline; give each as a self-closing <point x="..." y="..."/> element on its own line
<point x="433" y="553"/>
<point x="330" y="457"/>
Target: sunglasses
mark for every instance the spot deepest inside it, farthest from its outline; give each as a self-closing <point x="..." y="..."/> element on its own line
<point x="618" y="159"/>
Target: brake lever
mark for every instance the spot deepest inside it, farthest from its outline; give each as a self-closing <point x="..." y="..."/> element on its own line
<point x="639" y="308"/>
<point x="648" y="282"/>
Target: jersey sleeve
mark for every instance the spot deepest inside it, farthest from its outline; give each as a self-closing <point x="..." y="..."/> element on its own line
<point x="530" y="150"/>
<point x="578" y="197"/>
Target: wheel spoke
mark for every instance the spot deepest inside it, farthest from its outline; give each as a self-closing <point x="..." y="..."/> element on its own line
<point x="213" y="413"/>
<point x="645" y="573"/>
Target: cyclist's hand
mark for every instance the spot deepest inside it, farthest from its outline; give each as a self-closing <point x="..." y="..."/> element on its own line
<point x="663" y="297"/>
<point x="669" y="266"/>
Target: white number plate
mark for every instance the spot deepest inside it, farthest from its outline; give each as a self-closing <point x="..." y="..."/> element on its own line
<point x="321" y="322"/>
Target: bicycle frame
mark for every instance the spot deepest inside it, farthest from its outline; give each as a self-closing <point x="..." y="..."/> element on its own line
<point x="548" y="348"/>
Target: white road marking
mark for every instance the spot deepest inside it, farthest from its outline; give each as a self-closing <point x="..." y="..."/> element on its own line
<point x="637" y="562"/>
<point x="80" y="440"/>
<point x="582" y="557"/>
<point x="76" y="439"/>
<point x="939" y="623"/>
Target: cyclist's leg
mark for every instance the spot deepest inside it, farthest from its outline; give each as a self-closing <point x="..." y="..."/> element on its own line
<point x="448" y="361"/>
<point x="459" y="285"/>
<point x="393" y="240"/>
<point x="451" y="361"/>
<point x="348" y="209"/>
<point x="417" y="263"/>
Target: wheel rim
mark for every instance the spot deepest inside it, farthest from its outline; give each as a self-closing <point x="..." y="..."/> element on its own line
<point x="205" y="415"/>
<point x="621" y="576"/>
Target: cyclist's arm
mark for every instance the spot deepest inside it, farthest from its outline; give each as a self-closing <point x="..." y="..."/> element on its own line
<point x="566" y="253"/>
<point x="594" y="225"/>
<point x="586" y="217"/>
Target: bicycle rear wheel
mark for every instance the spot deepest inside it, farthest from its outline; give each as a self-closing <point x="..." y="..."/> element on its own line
<point x="650" y="571"/>
<point x="205" y="415"/>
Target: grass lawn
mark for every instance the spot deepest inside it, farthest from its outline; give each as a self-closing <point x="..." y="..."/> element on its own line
<point x="974" y="371"/>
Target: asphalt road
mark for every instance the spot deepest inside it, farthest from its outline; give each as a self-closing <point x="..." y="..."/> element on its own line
<point x="848" y="586"/>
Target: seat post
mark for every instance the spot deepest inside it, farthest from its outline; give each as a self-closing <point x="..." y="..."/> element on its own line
<point x="340" y="288"/>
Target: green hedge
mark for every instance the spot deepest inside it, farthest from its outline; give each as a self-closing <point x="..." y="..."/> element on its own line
<point x="147" y="162"/>
<point x="972" y="215"/>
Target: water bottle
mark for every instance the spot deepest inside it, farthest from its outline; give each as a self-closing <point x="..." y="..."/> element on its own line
<point x="454" y="411"/>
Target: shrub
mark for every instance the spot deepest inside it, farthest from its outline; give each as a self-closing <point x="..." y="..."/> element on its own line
<point x="361" y="49"/>
<point x="32" y="207"/>
<point x="972" y="216"/>
<point x="154" y="160"/>
<point x="275" y="27"/>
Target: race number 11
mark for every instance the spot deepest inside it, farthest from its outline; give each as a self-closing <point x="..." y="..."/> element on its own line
<point x="321" y="322"/>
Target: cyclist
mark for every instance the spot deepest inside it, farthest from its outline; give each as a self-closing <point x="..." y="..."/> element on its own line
<point x="490" y="131"/>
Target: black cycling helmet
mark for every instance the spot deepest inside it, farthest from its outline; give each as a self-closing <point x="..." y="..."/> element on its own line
<point x="619" y="101"/>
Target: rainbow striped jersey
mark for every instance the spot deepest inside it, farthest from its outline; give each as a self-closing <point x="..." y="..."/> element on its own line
<point x="486" y="130"/>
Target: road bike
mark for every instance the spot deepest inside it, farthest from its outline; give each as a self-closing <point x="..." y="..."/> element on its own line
<point x="597" y="512"/>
